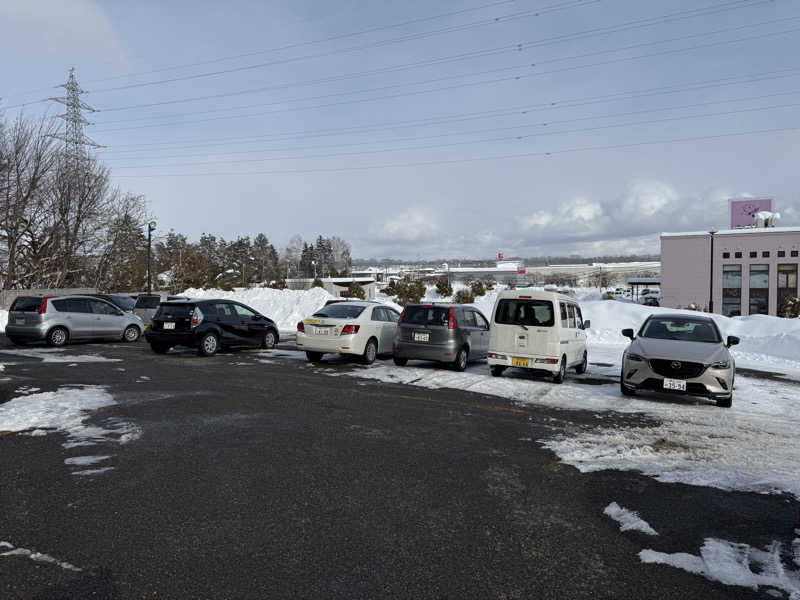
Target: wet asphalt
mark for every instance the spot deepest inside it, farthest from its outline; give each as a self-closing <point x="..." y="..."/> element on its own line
<point x="257" y="476"/>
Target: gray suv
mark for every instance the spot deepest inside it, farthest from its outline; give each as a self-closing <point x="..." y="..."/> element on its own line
<point x="447" y="333"/>
<point x="58" y="319"/>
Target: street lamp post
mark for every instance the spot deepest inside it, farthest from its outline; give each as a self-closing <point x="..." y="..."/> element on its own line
<point x="711" y="276"/>
<point x="150" y="227"/>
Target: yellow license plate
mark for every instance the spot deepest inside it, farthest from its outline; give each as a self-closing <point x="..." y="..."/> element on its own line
<point x="520" y="362"/>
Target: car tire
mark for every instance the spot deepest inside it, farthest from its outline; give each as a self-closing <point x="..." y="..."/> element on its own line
<point x="400" y="362"/>
<point x="562" y="372"/>
<point x="725" y="402"/>
<point x="209" y="344"/>
<point x="131" y="334"/>
<point x="270" y="340"/>
<point x="497" y="370"/>
<point x="314" y="357"/>
<point x="370" y="352"/>
<point x="16" y="341"/>
<point x="57" y="336"/>
<point x="625" y="390"/>
<point x="581" y="368"/>
<point x="462" y="358"/>
<point x="159" y="348"/>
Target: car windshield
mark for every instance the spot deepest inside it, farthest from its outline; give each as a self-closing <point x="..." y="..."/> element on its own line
<point x="340" y="311"/>
<point x="685" y="330"/>
<point x="538" y="313"/>
<point x="427" y="315"/>
<point x="124" y="302"/>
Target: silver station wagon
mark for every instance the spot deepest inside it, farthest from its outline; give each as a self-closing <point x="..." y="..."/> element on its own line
<point x="59" y="319"/>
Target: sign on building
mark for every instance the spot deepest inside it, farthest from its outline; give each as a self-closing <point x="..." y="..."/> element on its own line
<point x="743" y="210"/>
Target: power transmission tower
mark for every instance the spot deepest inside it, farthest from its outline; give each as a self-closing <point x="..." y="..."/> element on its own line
<point x="75" y="141"/>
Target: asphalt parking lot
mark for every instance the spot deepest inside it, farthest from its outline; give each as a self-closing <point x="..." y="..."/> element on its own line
<point x="254" y="475"/>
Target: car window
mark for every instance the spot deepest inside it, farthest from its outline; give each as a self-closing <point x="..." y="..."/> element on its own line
<point x="391" y="315"/>
<point x="102" y="308"/>
<point x="123" y="302"/>
<point x="243" y="311"/>
<point x="571" y="316"/>
<point x="73" y="305"/>
<point x="481" y="320"/>
<point x="578" y="317"/>
<point x="224" y="310"/>
<point x="681" y="329"/>
<point x="538" y="313"/>
<point x="378" y="314"/>
<point x="564" y="321"/>
<point x="469" y="319"/>
<point x="340" y="311"/>
<point x="146" y="301"/>
<point x="174" y="311"/>
<point x="26" y="304"/>
<point x="427" y="315"/>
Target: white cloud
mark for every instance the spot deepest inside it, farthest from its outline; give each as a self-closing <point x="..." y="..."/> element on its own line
<point x="412" y="225"/>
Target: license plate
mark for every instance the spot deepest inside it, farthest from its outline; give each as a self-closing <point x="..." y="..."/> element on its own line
<point x="320" y="331"/>
<point x="520" y="362"/>
<point x="20" y="321"/>
<point x="675" y="384"/>
<point x="169" y="325"/>
<point x="422" y="337"/>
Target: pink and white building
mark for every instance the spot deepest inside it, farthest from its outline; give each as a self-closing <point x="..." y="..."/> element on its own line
<point x="755" y="270"/>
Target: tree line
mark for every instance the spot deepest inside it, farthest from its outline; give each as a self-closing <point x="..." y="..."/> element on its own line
<point x="63" y="224"/>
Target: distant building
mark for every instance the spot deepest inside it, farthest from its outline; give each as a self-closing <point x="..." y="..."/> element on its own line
<point x="754" y="269"/>
<point x="509" y="272"/>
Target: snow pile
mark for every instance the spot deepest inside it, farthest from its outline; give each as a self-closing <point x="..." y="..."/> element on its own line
<point x="628" y="520"/>
<point x="734" y="564"/>
<point x="285" y="307"/>
<point x="3" y="319"/>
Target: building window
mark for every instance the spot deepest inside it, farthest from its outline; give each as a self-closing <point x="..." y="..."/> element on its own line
<point x="754" y="255"/>
<point x="726" y="255"/>
<point x="794" y="253"/>
<point x="781" y="253"/>
<point x="759" y="289"/>
<point x="765" y="254"/>
<point x="732" y="290"/>
<point x="787" y="285"/>
<point x="737" y="255"/>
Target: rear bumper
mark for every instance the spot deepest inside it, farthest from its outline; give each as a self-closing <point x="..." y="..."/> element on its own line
<point x="179" y="338"/>
<point x="342" y="344"/>
<point x="422" y="351"/>
<point x="508" y="361"/>
<point x="27" y="332"/>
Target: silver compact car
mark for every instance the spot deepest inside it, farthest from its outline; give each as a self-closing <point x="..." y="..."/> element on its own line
<point x="680" y="354"/>
<point x="59" y="319"/>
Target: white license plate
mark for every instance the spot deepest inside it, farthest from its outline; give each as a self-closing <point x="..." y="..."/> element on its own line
<point x="675" y="384"/>
<point x="20" y="321"/>
<point x="169" y="325"/>
<point x="320" y="331"/>
<point x="422" y="337"/>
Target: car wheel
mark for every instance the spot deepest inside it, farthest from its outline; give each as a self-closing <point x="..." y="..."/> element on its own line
<point x="16" y="341"/>
<point x="497" y="370"/>
<point x="131" y="334"/>
<point x="159" y="348"/>
<point x="460" y="363"/>
<point x="626" y="391"/>
<point x="725" y="402"/>
<point x="581" y="368"/>
<point x="370" y="352"/>
<point x="209" y="344"/>
<point x="314" y="357"/>
<point x="269" y="341"/>
<point x="57" y="336"/>
<point x="562" y="372"/>
<point x="400" y="362"/>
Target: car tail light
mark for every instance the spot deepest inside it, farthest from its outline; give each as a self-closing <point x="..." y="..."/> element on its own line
<point x="197" y="316"/>
<point x="350" y="329"/>
<point x="452" y="323"/>
<point x="402" y="314"/>
<point x="547" y="361"/>
<point x="43" y="306"/>
<point x="524" y="297"/>
<point x="301" y="327"/>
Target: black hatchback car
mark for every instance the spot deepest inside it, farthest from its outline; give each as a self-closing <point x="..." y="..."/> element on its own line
<point x="209" y="325"/>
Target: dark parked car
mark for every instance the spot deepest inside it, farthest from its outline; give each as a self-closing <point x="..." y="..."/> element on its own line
<point x="447" y="333"/>
<point x="124" y="303"/>
<point x="209" y="325"/>
<point x="651" y="301"/>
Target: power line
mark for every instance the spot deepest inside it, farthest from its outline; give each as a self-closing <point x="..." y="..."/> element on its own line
<point x="508" y="111"/>
<point x="471" y="84"/>
<point x="466" y="142"/>
<point x="514" y="47"/>
<point x="481" y="158"/>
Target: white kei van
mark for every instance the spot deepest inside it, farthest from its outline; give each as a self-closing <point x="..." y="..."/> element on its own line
<point x="542" y="331"/>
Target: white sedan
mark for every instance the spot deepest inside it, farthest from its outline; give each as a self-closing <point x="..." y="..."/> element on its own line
<point x="365" y="329"/>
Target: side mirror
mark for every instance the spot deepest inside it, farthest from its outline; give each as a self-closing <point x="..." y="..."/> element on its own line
<point x="587" y="324"/>
<point x="732" y="341"/>
<point x="256" y="317"/>
<point x="628" y="333"/>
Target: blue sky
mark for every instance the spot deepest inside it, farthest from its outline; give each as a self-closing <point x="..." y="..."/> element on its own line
<point x="390" y="137"/>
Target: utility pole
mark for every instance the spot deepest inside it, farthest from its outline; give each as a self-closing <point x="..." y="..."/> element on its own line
<point x="711" y="277"/>
<point x="150" y="227"/>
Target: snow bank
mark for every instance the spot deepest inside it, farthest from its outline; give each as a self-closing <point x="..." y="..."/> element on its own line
<point x="285" y="307"/>
<point x="3" y="319"/>
<point x="628" y="520"/>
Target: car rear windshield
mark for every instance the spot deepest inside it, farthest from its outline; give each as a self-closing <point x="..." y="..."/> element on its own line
<point x="427" y="315"/>
<point x="685" y="330"/>
<point x="538" y="313"/>
<point x="27" y="304"/>
<point x="340" y="311"/>
<point x="148" y="301"/>
<point x="174" y="311"/>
